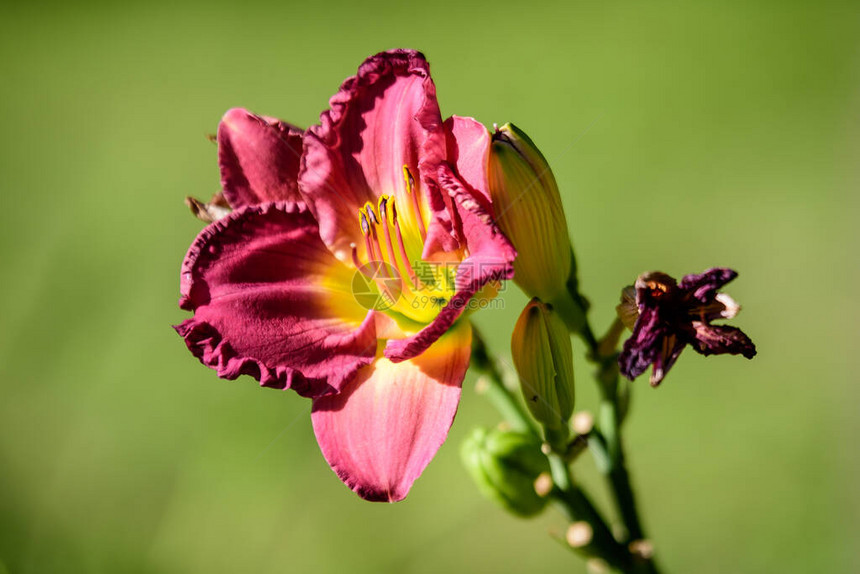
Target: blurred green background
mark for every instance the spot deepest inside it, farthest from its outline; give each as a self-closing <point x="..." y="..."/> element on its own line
<point x="682" y="136"/>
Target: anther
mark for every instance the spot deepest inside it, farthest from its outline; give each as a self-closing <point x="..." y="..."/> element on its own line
<point x="362" y="216"/>
<point x="410" y="181"/>
<point x="371" y="214"/>
<point x="543" y="484"/>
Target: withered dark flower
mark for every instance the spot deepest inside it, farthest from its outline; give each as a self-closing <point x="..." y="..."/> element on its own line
<point x="666" y="316"/>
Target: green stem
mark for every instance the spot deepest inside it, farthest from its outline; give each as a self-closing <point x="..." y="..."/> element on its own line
<point x="610" y="419"/>
<point x="576" y="506"/>
<point x="616" y="470"/>
<point x="511" y="409"/>
<point x="565" y="493"/>
<point x="588" y="336"/>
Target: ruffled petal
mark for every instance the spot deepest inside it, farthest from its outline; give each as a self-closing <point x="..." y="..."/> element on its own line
<point x="382" y="119"/>
<point x="259" y="158"/>
<point x="467" y="144"/>
<point x="703" y="287"/>
<point x="719" y="340"/>
<point x="491" y="259"/>
<point x="271" y="301"/>
<point x="380" y="432"/>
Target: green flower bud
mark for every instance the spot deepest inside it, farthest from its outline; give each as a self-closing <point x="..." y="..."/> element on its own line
<point x="543" y="356"/>
<point x="528" y="209"/>
<point x="505" y="465"/>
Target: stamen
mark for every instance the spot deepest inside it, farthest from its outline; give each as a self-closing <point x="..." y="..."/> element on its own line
<point x="410" y="181"/>
<point x="368" y="233"/>
<point x="370" y="213"/>
<point x="383" y="212"/>
<point x="372" y="255"/>
<point x="404" y="258"/>
<point x="382" y="205"/>
<point x="362" y="218"/>
<point x="416" y="202"/>
<point x="385" y="258"/>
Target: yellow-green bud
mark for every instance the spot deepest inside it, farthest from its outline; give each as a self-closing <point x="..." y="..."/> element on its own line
<point x="504" y="466"/>
<point x="543" y="356"/>
<point x="528" y="209"/>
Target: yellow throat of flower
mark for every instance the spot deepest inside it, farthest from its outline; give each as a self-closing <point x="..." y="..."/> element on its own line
<point x="392" y="270"/>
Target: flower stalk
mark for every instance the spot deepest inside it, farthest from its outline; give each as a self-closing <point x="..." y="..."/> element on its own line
<point x="577" y="507"/>
<point x="495" y="389"/>
<point x="566" y="495"/>
<point x="610" y="457"/>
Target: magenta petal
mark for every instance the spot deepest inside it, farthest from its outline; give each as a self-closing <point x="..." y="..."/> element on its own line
<point x="467" y="153"/>
<point x="468" y="150"/>
<point x="271" y="301"/>
<point x="380" y="432"/>
<point x="491" y="259"/>
<point x="259" y="159"/>
<point x="382" y="119"/>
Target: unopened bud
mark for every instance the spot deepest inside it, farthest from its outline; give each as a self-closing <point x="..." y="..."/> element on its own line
<point x="506" y="466"/>
<point x="583" y="422"/>
<point x="642" y="548"/>
<point x="579" y="534"/>
<point x="528" y="209"/>
<point x="543" y="484"/>
<point x="543" y="356"/>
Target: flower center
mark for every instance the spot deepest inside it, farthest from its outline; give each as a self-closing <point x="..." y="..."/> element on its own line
<point x="394" y="234"/>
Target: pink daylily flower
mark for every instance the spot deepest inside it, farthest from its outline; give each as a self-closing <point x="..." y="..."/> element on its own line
<point x="381" y="184"/>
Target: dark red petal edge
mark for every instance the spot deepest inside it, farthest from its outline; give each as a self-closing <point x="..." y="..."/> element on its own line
<point x="205" y="342"/>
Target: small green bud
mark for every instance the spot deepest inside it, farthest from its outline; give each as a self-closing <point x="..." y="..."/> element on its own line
<point x="528" y="209"/>
<point x="504" y="466"/>
<point x="543" y="356"/>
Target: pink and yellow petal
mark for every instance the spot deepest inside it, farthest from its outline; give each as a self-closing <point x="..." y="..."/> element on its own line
<point x="384" y="118"/>
<point x="380" y="432"/>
